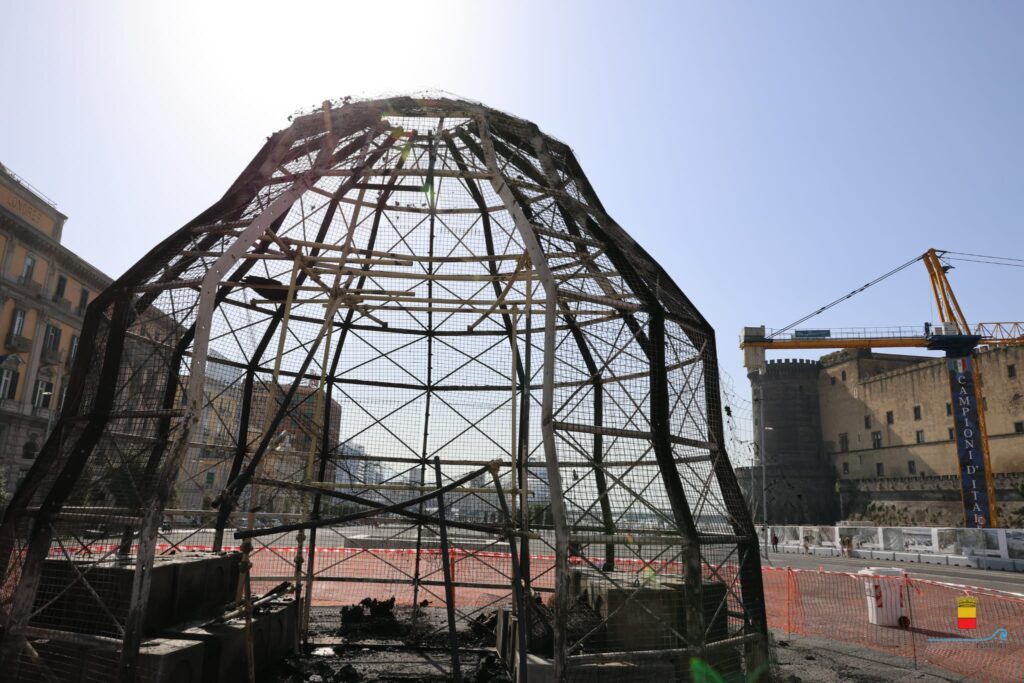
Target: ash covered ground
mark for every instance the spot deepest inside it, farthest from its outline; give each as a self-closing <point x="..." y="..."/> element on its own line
<point x="378" y="641"/>
<point x="382" y="642"/>
<point x="818" y="660"/>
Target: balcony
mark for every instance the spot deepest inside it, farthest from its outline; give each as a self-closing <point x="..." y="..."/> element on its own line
<point x="16" y="343"/>
<point x="10" y="405"/>
<point x="51" y="357"/>
<point x="40" y="412"/>
<point x="31" y="285"/>
<point x="62" y="303"/>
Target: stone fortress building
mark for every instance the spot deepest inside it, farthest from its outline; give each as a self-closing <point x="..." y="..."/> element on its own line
<point x="866" y="435"/>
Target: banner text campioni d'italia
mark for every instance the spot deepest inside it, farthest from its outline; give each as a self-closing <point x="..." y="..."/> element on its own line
<point x="973" y="478"/>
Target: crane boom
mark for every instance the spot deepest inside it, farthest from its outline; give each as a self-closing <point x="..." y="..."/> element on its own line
<point x="953" y="335"/>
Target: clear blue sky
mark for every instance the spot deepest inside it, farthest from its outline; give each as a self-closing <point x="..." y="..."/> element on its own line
<point x="771" y="155"/>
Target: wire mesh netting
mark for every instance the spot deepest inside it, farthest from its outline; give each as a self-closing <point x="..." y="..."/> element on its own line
<point x="408" y="354"/>
<point x="916" y="619"/>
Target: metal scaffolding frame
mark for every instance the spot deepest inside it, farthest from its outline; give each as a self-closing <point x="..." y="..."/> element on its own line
<point x="409" y="322"/>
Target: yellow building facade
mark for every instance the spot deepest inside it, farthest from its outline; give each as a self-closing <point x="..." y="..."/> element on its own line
<point x="44" y="292"/>
<point x="891" y="416"/>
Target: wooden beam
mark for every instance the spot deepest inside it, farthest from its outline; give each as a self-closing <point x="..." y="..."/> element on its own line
<point x="630" y="434"/>
<point x="451" y="277"/>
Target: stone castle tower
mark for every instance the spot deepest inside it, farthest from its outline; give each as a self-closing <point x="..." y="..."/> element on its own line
<point x="800" y="486"/>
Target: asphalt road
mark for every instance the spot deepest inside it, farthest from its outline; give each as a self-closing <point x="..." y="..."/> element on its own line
<point x="1012" y="582"/>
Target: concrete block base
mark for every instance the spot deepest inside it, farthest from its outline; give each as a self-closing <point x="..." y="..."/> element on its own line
<point x="541" y="670"/>
<point x="203" y="583"/>
<point x="73" y="606"/>
<point x="274" y="632"/>
<point x="183" y="587"/>
<point x="161" y="660"/>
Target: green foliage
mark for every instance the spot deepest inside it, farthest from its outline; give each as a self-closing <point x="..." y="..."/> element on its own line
<point x="703" y="672"/>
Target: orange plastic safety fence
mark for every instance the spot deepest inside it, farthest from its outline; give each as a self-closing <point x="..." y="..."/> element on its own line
<point x="910" y="618"/>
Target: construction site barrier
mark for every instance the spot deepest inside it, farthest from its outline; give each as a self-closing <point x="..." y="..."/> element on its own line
<point x="839" y="605"/>
<point x="916" y="619"/>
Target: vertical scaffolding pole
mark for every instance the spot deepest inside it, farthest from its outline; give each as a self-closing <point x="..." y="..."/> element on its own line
<point x="319" y="431"/>
<point x="514" y="444"/>
<point x="518" y="594"/>
<point x="430" y="370"/>
<point x="524" y="451"/>
<point x="254" y="490"/>
<point x="449" y="590"/>
<point x="325" y="446"/>
<point x="563" y="587"/>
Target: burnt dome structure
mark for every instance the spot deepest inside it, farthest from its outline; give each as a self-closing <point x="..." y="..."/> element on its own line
<point x="407" y="354"/>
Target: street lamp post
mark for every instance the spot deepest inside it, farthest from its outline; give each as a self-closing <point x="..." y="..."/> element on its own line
<point x="753" y="501"/>
<point x="839" y="492"/>
<point x="764" y="479"/>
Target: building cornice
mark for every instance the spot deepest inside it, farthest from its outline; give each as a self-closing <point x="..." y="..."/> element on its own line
<point x="927" y="363"/>
<point x="29" y="194"/>
<point x="61" y="256"/>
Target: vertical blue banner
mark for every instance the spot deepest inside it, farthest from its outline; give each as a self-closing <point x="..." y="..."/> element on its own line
<point x="968" y="443"/>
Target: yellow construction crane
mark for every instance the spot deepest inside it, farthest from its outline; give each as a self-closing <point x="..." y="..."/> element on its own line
<point x="953" y="335"/>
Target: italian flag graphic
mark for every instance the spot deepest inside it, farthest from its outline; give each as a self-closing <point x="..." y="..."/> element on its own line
<point x="958" y="365"/>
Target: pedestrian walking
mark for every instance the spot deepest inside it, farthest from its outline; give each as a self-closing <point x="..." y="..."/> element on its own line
<point x="775" y="543"/>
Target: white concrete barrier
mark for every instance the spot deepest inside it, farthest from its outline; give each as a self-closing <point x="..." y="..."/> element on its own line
<point x="998" y="564"/>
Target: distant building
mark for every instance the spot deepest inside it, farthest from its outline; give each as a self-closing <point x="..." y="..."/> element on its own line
<point x="296" y="441"/>
<point x="353" y="466"/>
<point x="44" y="291"/>
<point x="869" y="435"/>
<point x="207" y="463"/>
